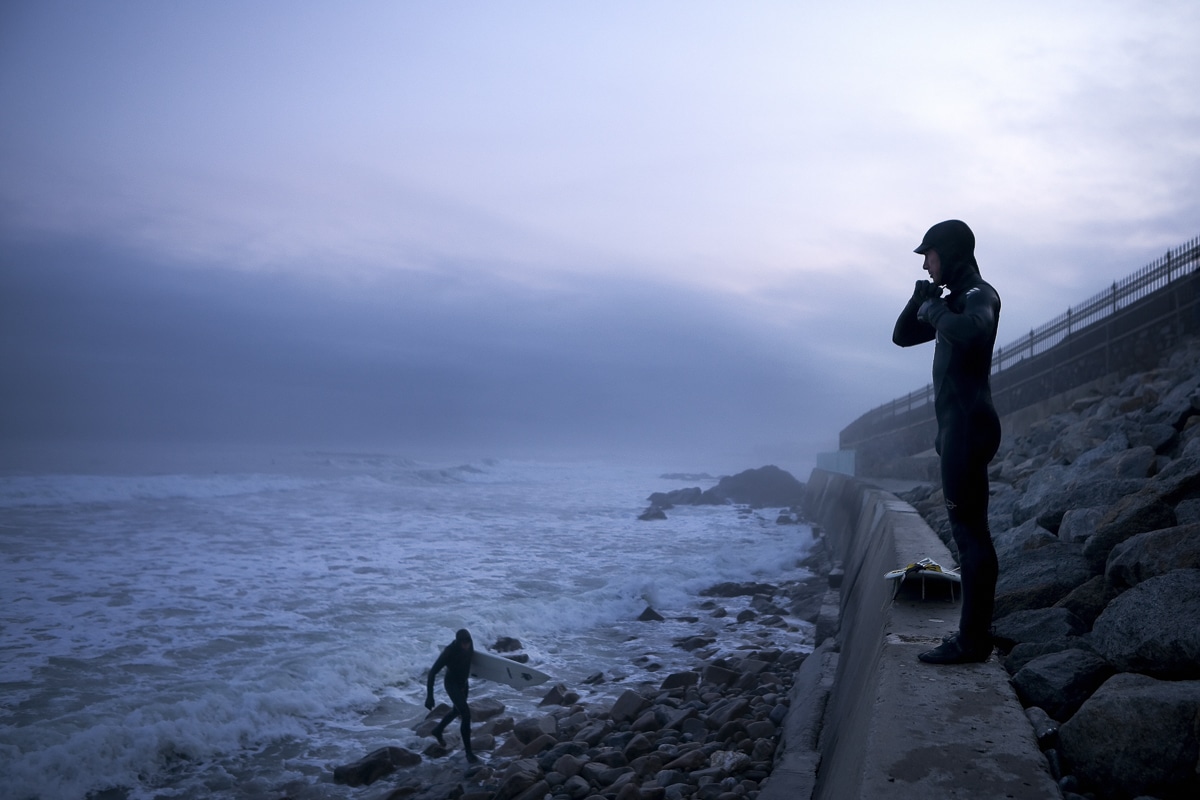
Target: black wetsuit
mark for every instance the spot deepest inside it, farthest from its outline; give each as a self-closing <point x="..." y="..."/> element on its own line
<point x="964" y="325"/>
<point x="457" y="663"/>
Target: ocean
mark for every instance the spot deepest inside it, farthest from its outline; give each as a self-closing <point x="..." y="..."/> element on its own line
<point x="235" y="632"/>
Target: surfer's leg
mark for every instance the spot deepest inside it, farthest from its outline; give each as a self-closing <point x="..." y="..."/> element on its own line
<point x="965" y="486"/>
<point x="458" y="696"/>
<point x="446" y="720"/>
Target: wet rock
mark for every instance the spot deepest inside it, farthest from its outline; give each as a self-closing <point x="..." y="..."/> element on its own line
<point x="628" y="706"/>
<point x="559" y="695"/>
<point x="679" y="680"/>
<point x="485" y="708"/>
<point x="739" y="589"/>
<point x="1138" y="736"/>
<point x="531" y="728"/>
<point x="375" y="765"/>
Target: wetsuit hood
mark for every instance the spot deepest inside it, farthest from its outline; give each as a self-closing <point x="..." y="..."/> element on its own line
<point x="955" y="246"/>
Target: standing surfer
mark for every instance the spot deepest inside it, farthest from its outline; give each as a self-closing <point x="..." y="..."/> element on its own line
<point x="964" y="325"/>
<point x="456" y="659"/>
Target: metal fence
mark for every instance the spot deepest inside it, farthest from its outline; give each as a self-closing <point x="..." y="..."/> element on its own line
<point x="1176" y="264"/>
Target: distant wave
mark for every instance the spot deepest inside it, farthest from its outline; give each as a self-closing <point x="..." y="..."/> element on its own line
<point x="59" y="490"/>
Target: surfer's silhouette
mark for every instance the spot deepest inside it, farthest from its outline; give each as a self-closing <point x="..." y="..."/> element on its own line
<point x="456" y="659"/>
<point x="964" y="326"/>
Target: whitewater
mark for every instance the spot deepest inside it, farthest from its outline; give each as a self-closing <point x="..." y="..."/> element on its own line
<point x="237" y="632"/>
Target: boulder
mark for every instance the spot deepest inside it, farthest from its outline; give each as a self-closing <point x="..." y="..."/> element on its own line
<point x="732" y="589"/>
<point x="507" y="644"/>
<point x="1137" y="513"/>
<point x="559" y="695"/>
<point x="1180" y="480"/>
<point x="1137" y="462"/>
<point x="628" y="707"/>
<point x="520" y="776"/>
<point x="1084" y="494"/>
<point x="1137" y="736"/>
<point x="1021" y="654"/>
<point x="375" y="765"/>
<point x="1156" y="553"/>
<point x="1078" y="524"/>
<point x="1040" y="578"/>
<point x="679" y="680"/>
<point x="485" y="708"/>
<point x="1038" y="489"/>
<point x="1036" y="625"/>
<point x="1060" y="682"/>
<point x="1159" y="436"/>
<point x="1187" y="512"/>
<point x="531" y="728"/>
<point x="1087" y="600"/>
<point x="1152" y="628"/>
<point x="1014" y="542"/>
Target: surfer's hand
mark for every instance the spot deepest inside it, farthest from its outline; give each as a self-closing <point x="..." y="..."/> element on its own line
<point x="429" y="702"/>
<point x="924" y="290"/>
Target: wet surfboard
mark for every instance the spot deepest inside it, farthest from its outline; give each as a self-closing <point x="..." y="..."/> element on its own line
<point x="504" y="670"/>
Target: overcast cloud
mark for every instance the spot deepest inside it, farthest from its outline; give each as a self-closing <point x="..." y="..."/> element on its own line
<point x="681" y="229"/>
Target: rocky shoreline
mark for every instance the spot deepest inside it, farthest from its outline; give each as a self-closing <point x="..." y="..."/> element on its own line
<point x="1095" y="513"/>
<point x="708" y="732"/>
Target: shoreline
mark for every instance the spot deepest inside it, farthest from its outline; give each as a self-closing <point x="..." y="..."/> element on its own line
<point x="711" y="731"/>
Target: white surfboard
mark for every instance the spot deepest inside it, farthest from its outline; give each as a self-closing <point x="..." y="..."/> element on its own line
<point x="505" y="670"/>
<point x="925" y="569"/>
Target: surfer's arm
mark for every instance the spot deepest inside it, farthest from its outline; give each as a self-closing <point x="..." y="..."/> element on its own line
<point x="976" y="322"/>
<point x="433" y="671"/>
<point x="909" y="330"/>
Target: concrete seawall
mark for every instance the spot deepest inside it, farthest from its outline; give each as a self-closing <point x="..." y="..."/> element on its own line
<point x="867" y="719"/>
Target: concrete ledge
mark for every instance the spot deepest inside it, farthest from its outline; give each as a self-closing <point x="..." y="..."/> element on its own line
<point x="868" y="719"/>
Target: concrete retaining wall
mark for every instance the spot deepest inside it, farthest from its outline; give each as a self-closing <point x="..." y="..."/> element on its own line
<point x="867" y="719"/>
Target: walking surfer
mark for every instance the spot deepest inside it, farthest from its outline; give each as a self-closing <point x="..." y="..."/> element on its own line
<point x="964" y="326"/>
<point x="456" y="659"/>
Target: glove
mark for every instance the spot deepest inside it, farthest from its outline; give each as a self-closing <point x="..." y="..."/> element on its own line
<point x="923" y="311"/>
<point x="925" y="290"/>
<point x="429" y="702"/>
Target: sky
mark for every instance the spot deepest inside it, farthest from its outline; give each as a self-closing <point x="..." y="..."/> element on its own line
<point x="670" y="230"/>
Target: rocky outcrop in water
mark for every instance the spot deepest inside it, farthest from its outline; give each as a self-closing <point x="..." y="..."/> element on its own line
<point x="1095" y="513"/>
<point x="757" y="488"/>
